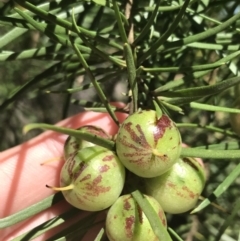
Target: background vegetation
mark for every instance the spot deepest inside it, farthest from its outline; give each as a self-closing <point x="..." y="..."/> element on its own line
<point x="181" y="55"/>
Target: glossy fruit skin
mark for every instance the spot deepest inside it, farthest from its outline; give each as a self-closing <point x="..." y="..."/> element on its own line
<point x="147" y="145"/>
<point x="98" y="177"/>
<point x="126" y="221"/>
<point x="178" y="189"/>
<point x="72" y="145"/>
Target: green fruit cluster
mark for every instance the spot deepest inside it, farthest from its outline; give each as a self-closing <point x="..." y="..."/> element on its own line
<point x="149" y="147"/>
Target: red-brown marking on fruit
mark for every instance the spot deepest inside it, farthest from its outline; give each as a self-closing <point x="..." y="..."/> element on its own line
<point x="95" y="131"/>
<point x="81" y="166"/>
<point x="129" y="221"/>
<point x="138" y="157"/>
<point x="125" y="142"/>
<point x="108" y="158"/>
<point x="69" y="167"/>
<point x="100" y="134"/>
<point x="171" y="185"/>
<point x="191" y="164"/>
<point x="80" y="200"/>
<point x="63" y="181"/>
<point x="140" y="213"/>
<point x="140" y="161"/>
<point x="87" y="177"/>
<point x="75" y="145"/>
<point x="139" y="140"/>
<point x="71" y="155"/>
<point x="115" y="216"/>
<point x="162" y="124"/>
<point x="162" y="217"/>
<point x="95" y="188"/>
<point x="104" y="168"/>
<point x="127" y="204"/>
<point x="86" y="198"/>
<point x="190" y="193"/>
<point x="180" y="194"/>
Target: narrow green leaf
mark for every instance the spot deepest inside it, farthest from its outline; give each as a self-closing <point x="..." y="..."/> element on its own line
<point x="160" y="9"/>
<point x="48" y="225"/>
<point x="174" y="234"/>
<point x="77" y="230"/>
<point x="119" y="21"/>
<point x="229" y="221"/>
<point x="30" y="53"/>
<point x="10" y="36"/>
<point x="229" y="145"/>
<point x="220" y="189"/>
<point x="158" y="109"/>
<point x="206" y="107"/>
<point x="173" y="107"/>
<point x="131" y="69"/>
<point x="103" y="109"/>
<point x="76" y="133"/>
<point x="226" y="155"/>
<point x="207" y="127"/>
<point x="30" y="211"/>
<point x="203" y="90"/>
<point x="99" y="236"/>
<point x="179" y="82"/>
<point x="211" y="46"/>
<point x="152" y="216"/>
<point x="51" y="35"/>
<point x="179" y="100"/>
<point x="184" y="69"/>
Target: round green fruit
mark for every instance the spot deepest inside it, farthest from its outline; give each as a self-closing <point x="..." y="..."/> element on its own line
<point x="147" y="145"/>
<point x="73" y="145"/>
<point x="178" y="189"/>
<point x="93" y="179"/>
<point x="126" y="221"/>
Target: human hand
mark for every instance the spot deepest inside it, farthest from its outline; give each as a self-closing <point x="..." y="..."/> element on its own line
<point x="23" y="179"/>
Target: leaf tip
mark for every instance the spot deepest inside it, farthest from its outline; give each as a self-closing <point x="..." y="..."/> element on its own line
<point x="25" y="129"/>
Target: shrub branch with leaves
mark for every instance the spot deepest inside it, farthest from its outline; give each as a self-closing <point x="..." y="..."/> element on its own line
<point x="180" y="58"/>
